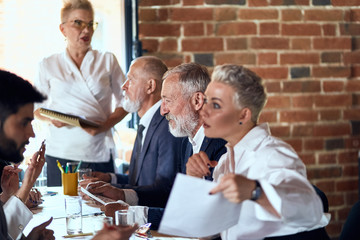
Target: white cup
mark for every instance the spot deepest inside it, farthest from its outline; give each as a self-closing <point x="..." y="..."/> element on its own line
<point x="124" y="217"/>
<point x="73" y="210"/>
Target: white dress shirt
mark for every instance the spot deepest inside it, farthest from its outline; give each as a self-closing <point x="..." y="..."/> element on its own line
<point x="198" y="139"/>
<point x="91" y="92"/>
<point x="17" y="216"/>
<point x="282" y="176"/>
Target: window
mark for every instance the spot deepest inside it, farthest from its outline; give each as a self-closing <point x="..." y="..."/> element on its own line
<point x="29" y="32"/>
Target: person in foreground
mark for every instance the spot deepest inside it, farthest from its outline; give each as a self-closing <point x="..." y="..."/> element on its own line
<point x="259" y="171"/>
<point x="17" y="98"/>
<point x="84" y="82"/>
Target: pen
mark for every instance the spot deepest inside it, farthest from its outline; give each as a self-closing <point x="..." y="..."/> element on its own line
<point x="59" y="166"/>
<point x="77" y="167"/>
<point x="40" y="151"/>
<point x="78" y="235"/>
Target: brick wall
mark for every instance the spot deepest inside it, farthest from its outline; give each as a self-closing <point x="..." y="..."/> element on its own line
<point x="307" y="51"/>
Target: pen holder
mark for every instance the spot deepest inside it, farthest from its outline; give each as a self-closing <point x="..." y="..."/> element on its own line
<point x="70" y="183"/>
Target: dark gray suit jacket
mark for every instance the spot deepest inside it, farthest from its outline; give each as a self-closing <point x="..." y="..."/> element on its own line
<point x="156" y="170"/>
<point x="213" y="147"/>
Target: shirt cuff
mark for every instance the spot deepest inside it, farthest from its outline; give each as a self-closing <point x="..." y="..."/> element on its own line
<point x="17" y="216"/>
<point x="113" y="178"/>
<point x="131" y="197"/>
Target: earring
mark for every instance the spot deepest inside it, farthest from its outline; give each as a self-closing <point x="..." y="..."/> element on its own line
<point x="240" y="123"/>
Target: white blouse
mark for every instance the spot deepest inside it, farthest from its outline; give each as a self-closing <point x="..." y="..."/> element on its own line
<point x="282" y="176"/>
<point x="92" y="92"/>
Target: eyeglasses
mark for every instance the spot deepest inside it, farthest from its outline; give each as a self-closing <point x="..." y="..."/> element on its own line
<point x="81" y="24"/>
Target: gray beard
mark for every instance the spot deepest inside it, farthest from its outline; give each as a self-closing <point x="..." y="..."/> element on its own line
<point x="184" y="126"/>
<point x="131" y="106"/>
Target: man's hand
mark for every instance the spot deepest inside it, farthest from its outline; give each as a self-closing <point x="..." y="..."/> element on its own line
<point x="113" y="232"/>
<point x="198" y="165"/>
<point x="106" y="190"/>
<point x="9" y="182"/>
<point x="41" y="233"/>
<point x="112" y="207"/>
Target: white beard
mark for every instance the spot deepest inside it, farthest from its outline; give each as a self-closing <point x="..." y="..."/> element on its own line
<point x="184" y="126"/>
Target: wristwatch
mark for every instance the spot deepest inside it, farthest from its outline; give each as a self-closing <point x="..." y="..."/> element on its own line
<point x="256" y="193"/>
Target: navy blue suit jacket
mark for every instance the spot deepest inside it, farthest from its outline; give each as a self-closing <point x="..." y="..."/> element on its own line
<point x="157" y="167"/>
<point x="213" y="147"/>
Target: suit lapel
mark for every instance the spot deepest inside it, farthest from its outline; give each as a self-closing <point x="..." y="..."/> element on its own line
<point x="155" y="121"/>
<point x="205" y="144"/>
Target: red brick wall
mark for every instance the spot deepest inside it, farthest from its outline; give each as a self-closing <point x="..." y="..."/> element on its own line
<point x="307" y="51"/>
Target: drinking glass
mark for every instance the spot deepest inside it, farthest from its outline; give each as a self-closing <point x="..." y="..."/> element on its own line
<point x="84" y="171"/>
<point x="124" y="217"/>
<point x="99" y="222"/>
<point x="73" y="210"/>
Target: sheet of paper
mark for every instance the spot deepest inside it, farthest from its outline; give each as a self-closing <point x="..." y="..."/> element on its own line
<point x="192" y="212"/>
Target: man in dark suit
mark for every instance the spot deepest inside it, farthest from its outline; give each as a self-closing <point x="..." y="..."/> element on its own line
<point x="182" y="100"/>
<point x="156" y="152"/>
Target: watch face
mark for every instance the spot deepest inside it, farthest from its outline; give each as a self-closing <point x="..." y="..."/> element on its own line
<point x="255" y="194"/>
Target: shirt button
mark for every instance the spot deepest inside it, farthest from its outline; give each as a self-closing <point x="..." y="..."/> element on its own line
<point x="21" y="227"/>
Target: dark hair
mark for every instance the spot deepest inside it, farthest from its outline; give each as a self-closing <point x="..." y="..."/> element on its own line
<point x="15" y="92"/>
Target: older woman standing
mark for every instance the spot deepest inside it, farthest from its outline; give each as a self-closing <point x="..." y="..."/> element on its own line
<point x="84" y="82"/>
<point x="259" y="171"/>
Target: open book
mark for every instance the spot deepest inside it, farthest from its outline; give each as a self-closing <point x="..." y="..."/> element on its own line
<point x="67" y="118"/>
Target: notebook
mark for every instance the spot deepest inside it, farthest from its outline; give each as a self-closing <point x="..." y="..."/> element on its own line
<point x="67" y="118"/>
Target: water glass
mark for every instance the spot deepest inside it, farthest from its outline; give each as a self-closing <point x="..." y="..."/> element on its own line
<point x="141" y="213"/>
<point x="84" y="171"/>
<point x="73" y="210"/>
<point x="99" y="222"/>
<point x="124" y="217"/>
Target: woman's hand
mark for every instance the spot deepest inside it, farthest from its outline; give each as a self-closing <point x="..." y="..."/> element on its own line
<point x="58" y="124"/>
<point x="96" y="130"/>
<point x="34" y="199"/>
<point x="235" y="188"/>
<point x="198" y="165"/>
<point x="32" y="173"/>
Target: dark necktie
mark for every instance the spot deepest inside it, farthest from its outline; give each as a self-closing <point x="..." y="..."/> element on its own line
<point x="188" y="153"/>
<point x="137" y="152"/>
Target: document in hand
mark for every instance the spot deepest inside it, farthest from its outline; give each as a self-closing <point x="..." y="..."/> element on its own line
<point x="73" y="120"/>
<point x="192" y="212"/>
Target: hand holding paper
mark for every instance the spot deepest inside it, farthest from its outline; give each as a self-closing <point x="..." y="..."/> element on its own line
<point x="192" y="212"/>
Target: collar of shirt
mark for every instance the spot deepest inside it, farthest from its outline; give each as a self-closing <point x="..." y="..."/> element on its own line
<point x="198" y="139"/>
<point x="146" y="119"/>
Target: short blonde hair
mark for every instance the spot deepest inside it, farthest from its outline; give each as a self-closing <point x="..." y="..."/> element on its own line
<point x="70" y="5"/>
<point x="248" y="88"/>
